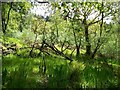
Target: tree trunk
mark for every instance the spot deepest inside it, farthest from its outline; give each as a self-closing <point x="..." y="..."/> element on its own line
<point x="30" y="54"/>
<point x="5" y="20"/>
<point x="77" y="51"/>
<point x="88" y="46"/>
<point x="99" y="41"/>
<point x="95" y="51"/>
<point x="77" y="46"/>
<point x="88" y="50"/>
<point x="44" y="64"/>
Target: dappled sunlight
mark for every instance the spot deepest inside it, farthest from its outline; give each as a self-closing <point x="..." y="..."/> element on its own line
<point x="60" y="45"/>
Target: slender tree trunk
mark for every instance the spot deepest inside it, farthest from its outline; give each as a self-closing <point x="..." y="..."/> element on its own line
<point x="44" y="64"/>
<point x="77" y="51"/>
<point x="41" y="48"/>
<point x="93" y="55"/>
<point x="30" y="54"/>
<point x="88" y="46"/>
<point x="77" y="46"/>
<point x="4" y="20"/>
<point x="99" y="41"/>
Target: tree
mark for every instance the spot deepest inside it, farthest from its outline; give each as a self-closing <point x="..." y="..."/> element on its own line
<point x="83" y="11"/>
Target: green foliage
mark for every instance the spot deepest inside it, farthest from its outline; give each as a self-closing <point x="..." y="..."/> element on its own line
<point x="55" y="42"/>
<point x="60" y="73"/>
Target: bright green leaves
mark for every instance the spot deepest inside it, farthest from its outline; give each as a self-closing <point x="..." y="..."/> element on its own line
<point x="13" y="13"/>
<point x="64" y="29"/>
<point x="98" y="6"/>
<point x="21" y="7"/>
<point x="55" y="4"/>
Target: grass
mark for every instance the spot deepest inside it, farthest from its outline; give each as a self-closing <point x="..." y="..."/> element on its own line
<point x="59" y="73"/>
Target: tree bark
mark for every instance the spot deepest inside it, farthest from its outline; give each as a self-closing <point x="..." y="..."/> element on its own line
<point x="58" y="52"/>
<point x="88" y="46"/>
<point x="77" y="51"/>
<point x="4" y="20"/>
<point x="99" y="41"/>
<point x="77" y="46"/>
<point x="33" y="46"/>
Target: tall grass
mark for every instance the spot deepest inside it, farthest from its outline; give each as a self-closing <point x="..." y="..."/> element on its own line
<point x="28" y="73"/>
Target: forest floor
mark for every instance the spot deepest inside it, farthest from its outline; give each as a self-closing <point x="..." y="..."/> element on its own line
<point x="55" y="72"/>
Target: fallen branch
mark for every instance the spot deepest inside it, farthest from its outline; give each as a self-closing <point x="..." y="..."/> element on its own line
<point x="57" y="51"/>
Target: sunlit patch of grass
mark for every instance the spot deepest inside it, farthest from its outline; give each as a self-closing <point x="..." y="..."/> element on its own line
<point x="82" y="66"/>
<point x="79" y="65"/>
<point x="114" y="65"/>
<point x="35" y="69"/>
<point x="36" y="61"/>
<point x="82" y="51"/>
<point x="68" y="52"/>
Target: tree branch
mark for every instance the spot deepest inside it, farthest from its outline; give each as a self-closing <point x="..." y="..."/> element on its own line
<point x="58" y="52"/>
